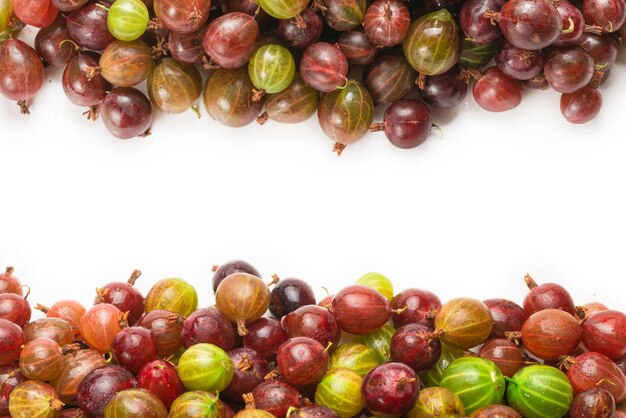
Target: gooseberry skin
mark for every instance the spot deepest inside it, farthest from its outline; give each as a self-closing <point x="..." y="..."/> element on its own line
<point x="530" y="24"/>
<point x="591" y="369"/>
<point x="504" y="353"/>
<point x="432" y="45"/>
<point x="324" y="67"/>
<point x="21" y="71"/>
<point x="205" y="367"/>
<point x="14" y="308"/>
<point x="100" y="325"/>
<point x="271" y="68"/>
<point x="475" y="55"/>
<point x="10" y="377"/>
<point x="50" y="46"/>
<point x="242" y="298"/>
<point x="379" y="341"/>
<point x="608" y="14"/>
<point x="356" y="357"/>
<point x="283" y="9"/>
<point x="526" y="388"/>
<point x="406" y="123"/>
<point x="39" y="14"/>
<point x="174" y="87"/>
<point x="182" y="16"/>
<point x="124" y="296"/>
<point x="186" y="48"/>
<point x="78" y="88"/>
<point x="389" y="78"/>
<point x="134" y="347"/>
<point x="386" y="22"/>
<point x="344" y="15"/>
<point x="415" y="306"/>
<point x="68" y="310"/>
<point x="313" y="411"/>
<point x="477" y="382"/>
<point x="466" y="322"/>
<point x="98" y="387"/>
<point x="66" y="6"/>
<point x="605" y="332"/>
<point x="41" y="359"/>
<point x="602" y="48"/>
<point x="518" y="63"/>
<point x="444" y="91"/>
<point x="571" y="34"/>
<point x="160" y="378"/>
<point x="166" y="331"/>
<point x="174" y="295"/>
<point x="55" y="329"/>
<point x="360" y="309"/>
<point x="76" y="367"/>
<point x="276" y="397"/>
<point x="302" y="361"/>
<point x="9" y="283"/>
<point x="289" y="295"/>
<point x="499" y="411"/>
<point x="198" y="403"/>
<point x="507" y="316"/>
<point x="126" y="112"/>
<point x="345" y="115"/>
<point x="34" y="399"/>
<point x="135" y="403"/>
<point x="432" y="376"/>
<point x="474" y="23"/>
<point x="551" y="333"/>
<point x="128" y="19"/>
<point x="547" y="296"/>
<point x="297" y="36"/>
<point x="593" y="403"/>
<point x="250" y="369"/>
<point x="230" y="267"/>
<point x="265" y="336"/>
<point x="207" y="325"/>
<point x="390" y="390"/>
<point x="88" y="27"/>
<point x="230" y="39"/>
<point x="227" y="97"/>
<point x="357" y="47"/>
<point x="295" y="104"/>
<point x="496" y="92"/>
<point x="126" y="64"/>
<point x="340" y="390"/>
<point x="416" y="346"/>
<point x="437" y="402"/>
<point x="568" y="69"/>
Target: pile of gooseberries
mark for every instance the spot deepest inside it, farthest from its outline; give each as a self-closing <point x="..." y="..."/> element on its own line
<point x="269" y="348"/>
<point x="285" y="60"/>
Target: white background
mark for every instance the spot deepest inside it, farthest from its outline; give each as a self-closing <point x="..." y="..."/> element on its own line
<point x="467" y="215"/>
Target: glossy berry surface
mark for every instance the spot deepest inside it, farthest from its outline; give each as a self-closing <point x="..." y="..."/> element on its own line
<point x="160" y="378"/>
<point x="265" y="336"/>
<point x="390" y="390"/>
<point x="11" y="340"/>
<point x="324" y="67"/>
<point x="568" y="69"/>
<point x="389" y="78"/>
<point x="591" y="370"/>
<point x="208" y="325"/>
<point x="302" y="361"/>
<point x="250" y="371"/>
<point x="416" y="346"/>
<point x="496" y="92"/>
<point x="229" y="41"/>
<point x="360" y="309"/>
<point x="98" y="387"/>
<point x="406" y="123"/>
<point x="551" y="333"/>
<point x="421" y="305"/>
<point x="605" y="332"/>
<point x="507" y="316"/>
<point x="288" y="295"/>
<point x="504" y="353"/>
<point x="276" y="397"/>
<point x="126" y="112"/>
<point x="387" y="22"/>
<point x="530" y="24"/>
<point x="547" y="296"/>
<point x="134" y="347"/>
<point x="124" y="296"/>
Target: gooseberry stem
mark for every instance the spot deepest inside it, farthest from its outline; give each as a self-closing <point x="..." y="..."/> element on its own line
<point x="134" y="276"/>
<point x="530" y="282"/>
<point x="262" y="118"/>
<point x="571" y="27"/>
<point x="103" y="7"/>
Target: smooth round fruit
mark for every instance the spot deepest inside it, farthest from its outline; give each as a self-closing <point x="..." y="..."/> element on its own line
<point x="302" y="30"/>
<point x="432" y="45"/>
<point x="187" y="48"/>
<point x="313" y="411"/>
<point x="34" y="399"/>
<point x="21" y="72"/>
<point x="517" y="63"/>
<point x="39" y="14"/>
<point x="88" y="27"/>
<point x="166" y="331"/>
<point x="540" y="391"/>
<point x="444" y="90"/>
<point x="126" y="113"/>
<point x="174" y="87"/>
<point x="573" y="23"/>
<point x="340" y="390"/>
<point x="55" y="329"/>
<point x="265" y="336"/>
<point x="360" y="309"/>
<point x="499" y="411"/>
<point x="135" y="403"/>
<point x="390" y="390"/>
<point x="406" y="123"/>
<point x="475" y="25"/>
<point x="416" y="346"/>
<point x="205" y="367"/>
<point x="228" y="95"/>
<point x="250" y="370"/>
<point x="605" y="332"/>
<point x="314" y="322"/>
<point x="477" y="382"/>
<point x="550" y="334"/>
<point x="128" y="19"/>
<point x="41" y="359"/>
<point x="295" y="104"/>
<point x="253" y="413"/>
<point x="602" y="48"/>
<point x="198" y="404"/>
<point x="581" y="106"/>
<point x="530" y="24"/>
<point x="415" y="306"/>
<point x="76" y="367"/>
<point x="379" y="341"/>
<point x="230" y="267"/>
<point x="276" y="397"/>
<point x="207" y="325"/>
<point x="15" y="308"/>
<point x="432" y="377"/>
<point x="68" y="310"/>
<point x="507" y="317"/>
<point x="160" y="378"/>
<point x="465" y="322"/>
<point x="607" y="14"/>
<point x="591" y="369"/>
<point x="182" y="15"/>
<point x="290" y="294"/>
<point x="283" y="9"/>
<point x="377" y="282"/>
<point x="9" y="283"/>
<point x="593" y="403"/>
<point x="10" y="377"/>
<point x="324" y="67"/>
<point x="302" y="361"/>
<point x="387" y="22"/>
<point x="230" y="40"/>
<point x="475" y="55"/>
<point x="356" y="357"/>
<point x="345" y="115"/>
<point x="50" y="45"/>
<point x="124" y="296"/>
<point x="436" y="402"/>
<point x="496" y="92"/>
<point x="134" y="347"/>
<point x="126" y="64"/>
<point x="568" y="69"/>
<point x="547" y="296"/>
<point x="344" y="15"/>
<point x="507" y="356"/>
<point x="357" y="47"/>
<point x="98" y="387"/>
<point x="389" y="78"/>
<point x="174" y="295"/>
<point x="242" y="298"/>
<point x="100" y="325"/>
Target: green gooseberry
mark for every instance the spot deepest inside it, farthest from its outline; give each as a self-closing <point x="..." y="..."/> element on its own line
<point x="205" y="367"/>
<point x="283" y="9"/>
<point x="478" y="382"/>
<point x="10" y="26"/>
<point x="378" y="282"/>
<point x="540" y="391"/>
<point x="174" y="295"/>
<point x="356" y="357"/>
<point x="340" y="390"/>
<point x="432" y="45"/>
<point x="437" y="402"/>
<point x="475" y="55"/>
<point x="199" y="404"/>
<point x="128" y="19"/>
<point x="432" y="376"/>
<point x="271" y="69"/>
<point x="379" y="341"/>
